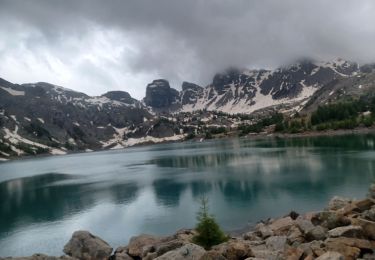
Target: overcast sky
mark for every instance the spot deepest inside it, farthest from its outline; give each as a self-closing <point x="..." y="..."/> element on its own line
<point x="95" y="46"/>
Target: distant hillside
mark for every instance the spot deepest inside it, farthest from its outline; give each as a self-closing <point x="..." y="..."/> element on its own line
<point x="44" y="118"/>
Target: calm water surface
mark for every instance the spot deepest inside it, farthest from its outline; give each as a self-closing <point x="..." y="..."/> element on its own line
<point x="156" y="189"/>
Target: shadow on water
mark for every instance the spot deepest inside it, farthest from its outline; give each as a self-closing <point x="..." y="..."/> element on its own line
<point x="53" y="196"/>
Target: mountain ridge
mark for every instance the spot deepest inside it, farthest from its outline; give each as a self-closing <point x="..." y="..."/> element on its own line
<point x="42" y="117"/>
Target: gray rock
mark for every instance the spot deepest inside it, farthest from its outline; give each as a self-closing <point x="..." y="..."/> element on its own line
<point x="140" y="245"/>
<point x="304" y="225"/>
<point x="347" y="231"/>
<point x="84" y="245"/>
<point x="331" y="256"/>
<point x="276" y="243"/>
<point x="330" y="219"/>
<point x="317" y="233"/>
<point x="187" y="252"/>
<point x="338" y="202"/>
<point x="122" y="256"/>
<point x="263" y="230"/>
<point x="369" y="214"/>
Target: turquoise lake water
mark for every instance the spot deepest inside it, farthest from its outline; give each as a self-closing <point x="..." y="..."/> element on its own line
<point x="156" y="189"/>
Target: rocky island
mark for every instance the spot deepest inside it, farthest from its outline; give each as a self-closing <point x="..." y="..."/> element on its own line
<point x="345" y="229"/>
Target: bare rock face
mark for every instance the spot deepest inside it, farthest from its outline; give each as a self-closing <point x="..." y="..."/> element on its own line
<point x="187" y="252"/>
<point x="83" y="245"/>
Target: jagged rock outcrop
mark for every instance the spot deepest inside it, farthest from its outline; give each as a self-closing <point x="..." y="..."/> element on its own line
<point x="161" y="97"/>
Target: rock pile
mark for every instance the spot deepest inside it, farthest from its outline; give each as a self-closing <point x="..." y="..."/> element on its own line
<point x="344" y="230"/>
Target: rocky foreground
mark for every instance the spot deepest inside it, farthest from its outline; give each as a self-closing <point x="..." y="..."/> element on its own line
<point x="344" y="230"/>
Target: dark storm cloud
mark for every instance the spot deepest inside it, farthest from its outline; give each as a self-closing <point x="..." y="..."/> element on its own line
<point x="137" y="40"/>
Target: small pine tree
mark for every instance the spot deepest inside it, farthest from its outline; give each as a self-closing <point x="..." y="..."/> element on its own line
<point x="209" y="232"/>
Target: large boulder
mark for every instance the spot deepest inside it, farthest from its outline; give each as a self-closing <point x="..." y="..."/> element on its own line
<point x="84" y="245"/>
<point x="368" y="227"/>
<point x="347" y="231"/>
<point x="187" y="252"/>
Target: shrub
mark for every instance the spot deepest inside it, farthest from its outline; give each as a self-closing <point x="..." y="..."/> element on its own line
<point x="209" y="232"/>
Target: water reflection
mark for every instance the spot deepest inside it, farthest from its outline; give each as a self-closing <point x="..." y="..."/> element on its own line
<point x="48" y="198"/>
<point x="156" y="189"/>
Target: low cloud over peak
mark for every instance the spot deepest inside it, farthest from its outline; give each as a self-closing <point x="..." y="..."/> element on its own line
<point x="96" y="46"/>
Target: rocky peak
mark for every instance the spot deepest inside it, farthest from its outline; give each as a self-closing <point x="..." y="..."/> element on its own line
<point x="160" y="95"/>
<point x="121" y="96"/>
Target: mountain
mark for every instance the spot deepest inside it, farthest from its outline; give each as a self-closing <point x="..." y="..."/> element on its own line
<point x="45" y="118"/>
<point x="246" y="91"/>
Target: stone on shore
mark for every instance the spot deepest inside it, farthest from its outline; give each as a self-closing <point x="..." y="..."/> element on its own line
<point x="347" y="231"/>
<point x="234" y="249"/>
<point x="331" y="256"/>
<point x="140" y="245"/>
<point x="187" y="252"/>
<point x="84" y="245"/>
<point x="338" y="202"/>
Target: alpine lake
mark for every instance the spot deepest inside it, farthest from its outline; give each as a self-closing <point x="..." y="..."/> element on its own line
<point x="157" y="189"/>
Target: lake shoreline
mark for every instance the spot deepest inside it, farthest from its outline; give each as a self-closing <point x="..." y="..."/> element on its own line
<point x="255" y="136"/>
<point x="342" y="230"/>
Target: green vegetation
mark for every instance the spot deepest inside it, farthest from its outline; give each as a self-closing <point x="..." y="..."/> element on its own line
<point x="259" y="126"/>
<point x="344" y="115"/>
<point x="209" y="232"/>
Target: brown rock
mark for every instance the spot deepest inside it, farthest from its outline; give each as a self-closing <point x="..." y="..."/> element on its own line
<point x="122" y="256"/>
<point x="295" y="235"/>
<point x="347" y="231"/>
<point x="140" y="245"/>
<point x="281" y="226"/>
<point x="357" y="206"/>
<point x="338" y="202"/>
<point x="263" y="230"/>
<point x="368" y="227"/>
<point x="347" y="250"/>
<point x="331" y="256"/>
<point x="293" y="253"/>
<point x="354" y="242"/>
<point x="84" y="245"/>
<point x="186" y="252"/>
<point x="330" y="219"/>
<point x="234" y="249"/>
